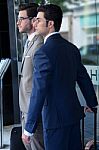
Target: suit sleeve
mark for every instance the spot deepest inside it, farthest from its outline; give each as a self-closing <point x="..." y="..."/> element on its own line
<point x="41" y="74"/>
<point x="86" y="85"/>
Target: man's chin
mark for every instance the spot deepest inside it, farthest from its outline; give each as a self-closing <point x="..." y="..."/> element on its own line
<point x="20" y="31"/>
<point x="37" y="31"/>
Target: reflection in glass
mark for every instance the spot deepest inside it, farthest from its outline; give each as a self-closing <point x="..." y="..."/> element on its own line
<point x="81" y="26"/>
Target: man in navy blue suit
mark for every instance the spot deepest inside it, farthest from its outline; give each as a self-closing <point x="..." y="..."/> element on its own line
<point x="57" y="68"/>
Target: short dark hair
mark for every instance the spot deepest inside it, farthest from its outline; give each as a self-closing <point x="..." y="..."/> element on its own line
<point x="52" y="12"/>
<point x="31" y="9"/>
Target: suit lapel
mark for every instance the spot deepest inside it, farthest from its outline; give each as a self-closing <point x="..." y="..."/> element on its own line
<point x="25" y="53"/>
<point x="29" y="47"/>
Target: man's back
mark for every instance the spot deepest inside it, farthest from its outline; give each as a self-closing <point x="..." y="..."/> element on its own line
<point x="61" y="103"/>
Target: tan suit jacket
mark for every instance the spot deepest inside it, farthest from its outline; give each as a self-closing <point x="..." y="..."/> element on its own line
<point x="25" y="86"/>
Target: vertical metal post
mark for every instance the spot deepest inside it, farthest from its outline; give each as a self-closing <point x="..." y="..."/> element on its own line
<point x="14" y="59"/>
<point x="1" y="111"/>
<point x="95" y="128"/>
<point x="83" y="131"/>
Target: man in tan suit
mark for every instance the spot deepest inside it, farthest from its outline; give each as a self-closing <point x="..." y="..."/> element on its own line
<point x="26" y="24"/>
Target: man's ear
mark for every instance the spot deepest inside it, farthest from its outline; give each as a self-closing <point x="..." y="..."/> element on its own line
<point x="33" y="20"/>
<point x="51" y="23"/>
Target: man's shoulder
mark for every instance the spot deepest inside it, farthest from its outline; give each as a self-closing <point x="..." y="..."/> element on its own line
<point x="38" y="37"/>
<point x="37" y="41"/>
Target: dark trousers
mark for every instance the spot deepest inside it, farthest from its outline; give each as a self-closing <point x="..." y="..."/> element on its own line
<point x="67" y="138"/>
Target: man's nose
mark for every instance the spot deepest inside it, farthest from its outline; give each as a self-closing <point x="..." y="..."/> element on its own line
<point x="17" y="22"/>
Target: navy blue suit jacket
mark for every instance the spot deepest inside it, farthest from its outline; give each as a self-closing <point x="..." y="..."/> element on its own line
<point x="57" y="68"/>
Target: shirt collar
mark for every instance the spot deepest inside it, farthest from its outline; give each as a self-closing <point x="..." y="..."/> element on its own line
<point x="50" y="35"/>
<point x="31" y="36"/>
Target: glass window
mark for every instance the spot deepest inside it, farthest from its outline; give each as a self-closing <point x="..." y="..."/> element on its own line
<point x="80" y="25"/>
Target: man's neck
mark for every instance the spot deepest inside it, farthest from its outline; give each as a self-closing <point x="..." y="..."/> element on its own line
<point x="30" y="36"/>
<point x="30" y="32"/>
